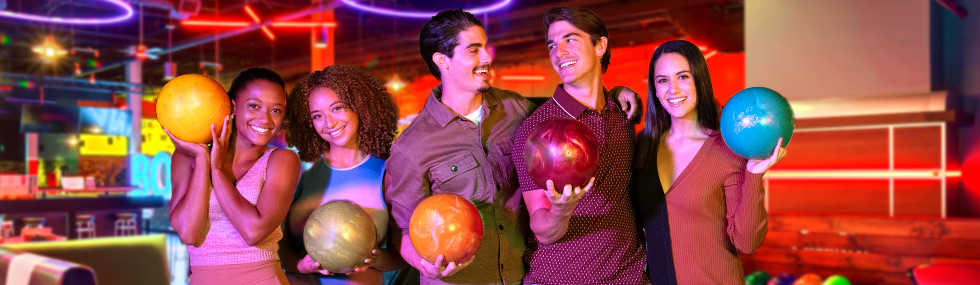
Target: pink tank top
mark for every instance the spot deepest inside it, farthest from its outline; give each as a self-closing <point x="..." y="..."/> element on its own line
<point x="223" y="244"/>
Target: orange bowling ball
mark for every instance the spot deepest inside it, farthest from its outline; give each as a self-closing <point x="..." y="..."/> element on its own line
<point x="809" y="279"/>
<point x="446" y="224"/>
<point x="189" y="104"/>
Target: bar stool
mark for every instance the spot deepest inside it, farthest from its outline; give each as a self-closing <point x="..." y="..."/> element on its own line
<point x="6" y="229"/>
<point x="85" y="226"/>
<point x="125" y="225"/>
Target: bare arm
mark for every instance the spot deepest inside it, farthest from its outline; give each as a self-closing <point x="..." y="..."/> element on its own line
<point x="190" y="177"/>
<point x="551" y="211"/>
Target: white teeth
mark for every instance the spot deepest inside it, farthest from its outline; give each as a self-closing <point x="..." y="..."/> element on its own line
<point x="261" y="130"/>
<point x="676" y="100"/>
<point x="481" y="71"/>
<point x="337" y="132"/>
<point x="563" y="65"/>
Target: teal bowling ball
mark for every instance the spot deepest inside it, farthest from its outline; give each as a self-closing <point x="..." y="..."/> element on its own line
<point x="753" y="121"/>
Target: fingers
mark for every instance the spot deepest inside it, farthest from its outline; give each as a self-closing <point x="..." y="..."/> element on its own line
<point x="552" y="193"/>
<point x="224" y="129"/>
<point x="214" y="135"/>
<point x="588" y="187"/>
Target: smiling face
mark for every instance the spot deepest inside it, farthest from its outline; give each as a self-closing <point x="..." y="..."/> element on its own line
<point x="572" y="53"/>
<point x="333" y="120"/>
<point x="675" y="87"/>
<point x="469" y="67"/>
<point x="259" y="111"/>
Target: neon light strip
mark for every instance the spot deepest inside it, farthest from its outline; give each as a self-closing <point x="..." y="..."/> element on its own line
<point x="214" y="23"/>
<point x="523" y="77"/>
<point x="251" y="14"/>
<point x="302" y="24"/>
<point x="420" y="14"/>
<point x="75" y="21"/>
<point x="268" y="33"/>
<point x="934" y="174"/>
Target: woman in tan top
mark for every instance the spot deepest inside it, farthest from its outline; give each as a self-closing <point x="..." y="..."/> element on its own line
<point x="697" y="200"/>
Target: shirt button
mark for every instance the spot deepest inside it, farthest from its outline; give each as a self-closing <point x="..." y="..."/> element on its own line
<point x="454" y="168"/>
<point x="501" y="227"/>
<point x="501" y="266"/>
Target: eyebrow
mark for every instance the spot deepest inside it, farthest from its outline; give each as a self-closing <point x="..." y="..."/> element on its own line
<point x="473" y="45"/>
<point x="568" y="35"/>
<point x="678" y="73"/>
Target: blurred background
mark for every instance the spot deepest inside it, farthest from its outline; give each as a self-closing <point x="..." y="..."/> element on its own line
<point x="882" y="176"/>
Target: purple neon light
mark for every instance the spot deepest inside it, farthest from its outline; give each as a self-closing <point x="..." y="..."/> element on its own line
<point x="421" y="14"/>
<point x="74" y="21"/>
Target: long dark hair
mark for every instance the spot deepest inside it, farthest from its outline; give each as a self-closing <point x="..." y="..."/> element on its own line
<point x="657" y="118"/>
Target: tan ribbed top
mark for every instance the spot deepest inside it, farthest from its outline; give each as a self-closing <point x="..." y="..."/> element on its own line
<point x="715" y="207"/>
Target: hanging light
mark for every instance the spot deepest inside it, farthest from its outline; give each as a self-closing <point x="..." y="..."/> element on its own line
<point x="395" y="84"/>
<point x="49" y="50"/>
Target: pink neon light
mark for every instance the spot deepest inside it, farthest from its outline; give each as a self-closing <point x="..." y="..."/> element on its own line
<point x="214" y="23"/>
<point x="522" y="77"/>
<point x="861" y="174"/>
<point x="126" y="8"/>
<point x="303" y="24"/>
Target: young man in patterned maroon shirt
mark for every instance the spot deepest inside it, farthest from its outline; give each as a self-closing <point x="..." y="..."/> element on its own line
<point x="583" y="234"/>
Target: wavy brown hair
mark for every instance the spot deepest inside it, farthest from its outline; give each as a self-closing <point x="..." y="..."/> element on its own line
<point x="361" y="93"/>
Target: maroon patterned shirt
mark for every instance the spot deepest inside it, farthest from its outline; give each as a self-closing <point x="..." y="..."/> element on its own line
<point x="602" y="244"/>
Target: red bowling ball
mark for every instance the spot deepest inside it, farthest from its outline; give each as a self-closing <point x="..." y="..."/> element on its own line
<point x="563" y="150"/>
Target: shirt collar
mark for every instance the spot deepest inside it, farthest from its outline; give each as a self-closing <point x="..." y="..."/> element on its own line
<point x="575" y="108"/>
<point x="443" y="115"/>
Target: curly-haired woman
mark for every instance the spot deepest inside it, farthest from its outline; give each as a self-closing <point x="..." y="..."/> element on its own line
<point x="343" y="120"/>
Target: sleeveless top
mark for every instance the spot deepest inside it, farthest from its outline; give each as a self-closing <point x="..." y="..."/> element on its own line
<point x="223" y="245"/>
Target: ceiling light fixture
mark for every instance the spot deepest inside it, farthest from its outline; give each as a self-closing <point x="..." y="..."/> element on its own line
<point x="420" y="14"/>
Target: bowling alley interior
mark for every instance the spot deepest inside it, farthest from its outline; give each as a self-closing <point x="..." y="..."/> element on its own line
<point x="880" y="183"/>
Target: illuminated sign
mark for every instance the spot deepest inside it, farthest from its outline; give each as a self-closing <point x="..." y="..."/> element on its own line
<point x="152" y="176"/>
<point x="106" y="121"/>
<point x="102" y="145"/>
<point x="154" y="139"/>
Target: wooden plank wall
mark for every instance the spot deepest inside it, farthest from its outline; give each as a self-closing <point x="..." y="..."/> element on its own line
<point x="864" y="249"/>
<point x="831" y="144"/>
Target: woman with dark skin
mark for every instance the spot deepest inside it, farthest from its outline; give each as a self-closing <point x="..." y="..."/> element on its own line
<point x="230" y="198"/>
<point x="343" y="120"/>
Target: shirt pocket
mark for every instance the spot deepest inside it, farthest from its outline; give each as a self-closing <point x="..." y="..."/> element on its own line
<point x="504" y="172"/>
<point x="460" y="174"/>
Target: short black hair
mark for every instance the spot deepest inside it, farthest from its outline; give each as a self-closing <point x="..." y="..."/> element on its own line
<point x="585" y="20"/>
<point x="440" y="34"/>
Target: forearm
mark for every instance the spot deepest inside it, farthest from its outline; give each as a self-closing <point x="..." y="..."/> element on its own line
<point x="549" y="225"/>
<point x="189" y="207"/>
<point x="408" y="253"/>
<point x="749" y="224"/>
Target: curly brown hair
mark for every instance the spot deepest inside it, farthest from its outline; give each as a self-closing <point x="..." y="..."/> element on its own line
<point x="361" y="93"/>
